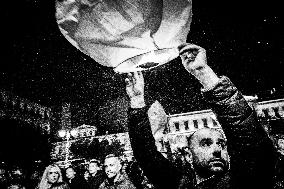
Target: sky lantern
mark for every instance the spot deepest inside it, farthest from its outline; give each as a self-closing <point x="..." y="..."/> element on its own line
<point x="128" y="35"/>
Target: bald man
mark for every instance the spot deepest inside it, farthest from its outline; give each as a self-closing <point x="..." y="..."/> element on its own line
<point x="244" y="158"/>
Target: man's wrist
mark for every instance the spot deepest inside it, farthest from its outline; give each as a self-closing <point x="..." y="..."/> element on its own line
<point x="207" y="77"/>
<point x="137" y="102"/>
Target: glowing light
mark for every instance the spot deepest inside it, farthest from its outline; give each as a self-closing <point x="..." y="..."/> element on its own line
<point x="74" y="132"/>
<point x="62" y="133"/>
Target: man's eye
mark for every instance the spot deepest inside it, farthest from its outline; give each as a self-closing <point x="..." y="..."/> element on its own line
<point x="206" y="143"/>
<point x="222" y="143"/>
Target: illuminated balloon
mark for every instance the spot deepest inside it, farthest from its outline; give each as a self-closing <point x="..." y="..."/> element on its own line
<point x="128" y="35"/>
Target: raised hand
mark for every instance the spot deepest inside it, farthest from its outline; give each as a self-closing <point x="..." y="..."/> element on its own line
<point x="193" y="57"/>
<point x="135" y="89"/>
<point x="195" y="62"/>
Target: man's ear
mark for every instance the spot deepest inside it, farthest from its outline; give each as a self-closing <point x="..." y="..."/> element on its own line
<point x="120" y="163"/>
<point x="120" y="166"/>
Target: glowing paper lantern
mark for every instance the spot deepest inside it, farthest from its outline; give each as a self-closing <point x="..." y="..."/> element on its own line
<point x="128" y="35"/>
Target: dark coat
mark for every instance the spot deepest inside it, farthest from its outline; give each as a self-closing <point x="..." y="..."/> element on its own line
<point x="94" y="182"/>
<point x="122" y="182"/>
<point x="279" y="172"/>
<point x="252" y="153"/>
<point x="78" y="183"/>
<point x="60" y="185"/>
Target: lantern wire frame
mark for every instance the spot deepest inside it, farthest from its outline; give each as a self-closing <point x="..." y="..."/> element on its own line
<point x="147" y="61"/>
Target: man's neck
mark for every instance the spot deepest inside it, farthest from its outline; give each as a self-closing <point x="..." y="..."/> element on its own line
<point x="200" y="178"/>
<point x="117" y="177"/>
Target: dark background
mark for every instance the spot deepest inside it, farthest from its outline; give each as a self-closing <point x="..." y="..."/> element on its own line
<point x="243" y="41"/>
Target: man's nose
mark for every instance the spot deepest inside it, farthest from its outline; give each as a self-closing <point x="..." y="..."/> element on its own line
<point x="217" y="150"/>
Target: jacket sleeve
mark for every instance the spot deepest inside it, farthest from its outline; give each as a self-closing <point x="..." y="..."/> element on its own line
<point x="160" y="172"/>
<point x="251" y="151"/>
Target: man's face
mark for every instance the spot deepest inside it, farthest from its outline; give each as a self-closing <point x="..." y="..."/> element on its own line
<point x="52" y="175"/>
<point x="70" y="173"/>
<point x="209" y="152"/>
<point x="93" y="168"/>
<point x="112" y="166"/>
<point x="17" y="173"/>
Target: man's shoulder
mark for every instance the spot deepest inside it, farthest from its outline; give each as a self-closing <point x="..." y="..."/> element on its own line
<point x="79" y="180"/>
<point x="96" y="181"/>
<point x="124" y="180"/>
<point x="104" y="185"/>
<point x="99" y="175"/>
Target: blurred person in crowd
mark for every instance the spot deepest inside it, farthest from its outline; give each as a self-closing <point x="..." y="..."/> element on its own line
<point x="34" y="176"/>
<point x="15" y="185"/>
<point x="279" y="167"/>
<point x="252" y="155"/>
<point x="116" y="177"/>
<point x="280" y="144"/>
<point x="86" y="175"/>
<point x="75" y="180"/>
<point x="34" y="179"/>
<point x="52" y="178"/>
<point x="17" y="177"/>
<point x="3" y="176"/>
<point x="96" y="175"/>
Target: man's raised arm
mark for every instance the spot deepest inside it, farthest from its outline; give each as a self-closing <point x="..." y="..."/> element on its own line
<point x="160" y="172"/>
<point x="251" y="151"/>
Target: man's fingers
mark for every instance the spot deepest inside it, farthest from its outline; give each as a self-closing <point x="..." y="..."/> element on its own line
<point x="135" y="75"/>
<point x="129" y="78"/>
<point x="133" y="78"/>
<point x="127" y="81"/>
<point x="140" y="76"/>
<point x="191" y="48"/>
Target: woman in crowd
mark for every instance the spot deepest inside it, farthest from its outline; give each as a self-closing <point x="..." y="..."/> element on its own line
<point x="52" y="178"/>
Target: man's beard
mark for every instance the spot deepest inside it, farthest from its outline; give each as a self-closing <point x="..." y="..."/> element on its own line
<point x="207" y="170"/>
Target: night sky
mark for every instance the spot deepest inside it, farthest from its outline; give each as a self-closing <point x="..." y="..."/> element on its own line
<point x="243" y="41"/>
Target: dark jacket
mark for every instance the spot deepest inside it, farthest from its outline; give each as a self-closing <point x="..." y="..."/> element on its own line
<point x="122" y="182"/>
<point x="279" y="172"/>
<point x="251" y="151"/>
<point x="94" y="182"/>
<point x="78" y="183"/>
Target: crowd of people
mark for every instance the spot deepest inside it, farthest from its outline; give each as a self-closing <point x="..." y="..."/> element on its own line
<point x="240" y="156"/>
<point x="112" y="172"/>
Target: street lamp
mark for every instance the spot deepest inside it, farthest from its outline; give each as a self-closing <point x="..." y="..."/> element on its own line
<point x="68" y="134"/>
